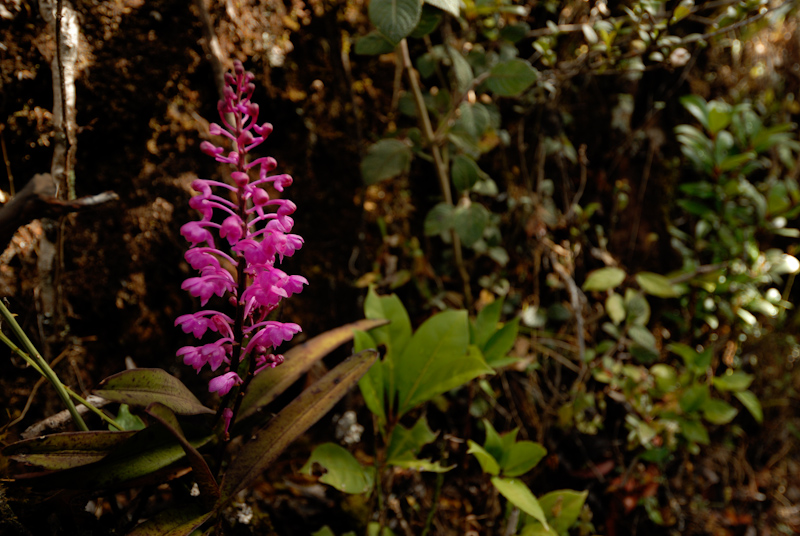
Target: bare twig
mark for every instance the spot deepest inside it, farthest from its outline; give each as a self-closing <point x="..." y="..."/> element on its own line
<point x="60" y="419"/>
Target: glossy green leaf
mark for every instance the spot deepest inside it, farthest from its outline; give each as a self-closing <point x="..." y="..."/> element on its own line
<point x="385" y="159"/>
<point x="510" y="78"/>
<point x="562" y="508"/>
<point x="142" y="387"/>
<point x="464" y="172"/>
<point x="604" y="279"/>
<point x="395" y="18"/>
<point x="719" y="115"/>
<point x="718" y="411"/>
<point x="271" y="383"/>
<point x="450" y="6"/>
<point x="615" y="307"/>
<point x="470" y="222"/>
<point x="342" y="470"/>
<point x="520" y="496"/>
<point x="521" y="458"/>
<point x="373" y="44"/>
<point x="488" y="463"/>
<point x="656" y="284"/>
<point x="65" y="450"/>
<point x="395" y="336"/>
<point x="750" y="401"/>
<point x="437" y="360"/>
<point x="734" y="381"/>
<point x="266" y="445"/>
<point x="180" y="521"/>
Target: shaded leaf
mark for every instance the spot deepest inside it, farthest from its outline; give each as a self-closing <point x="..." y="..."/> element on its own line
<point x="694" y="398"/>
<point x="696" y="106"/>
<point x="385" y="160"/>
<point x="510" y="78"/>
<point x="718" y="411"/>
<point x="486" y="322"/>
<point x="488" y="463"/>
<point x="343" y="471"/>
<point x="470" y="222"/>
<point x="464" y="172"/>
<point x="373" y="44"/>
<point x="305" y="410"/>
<point x="404" y="441"/>
<point x="501" y="342"/>
<point x="372" y="383"/>
<point x="428" y="22"/>
<point x="142" y="387"/>
<point x="395" y="18"/>
<point x="65" y="450"/>
<point x="735" y="381"/>
<point x="180" y="521"/>
<point x="439" y="219"/>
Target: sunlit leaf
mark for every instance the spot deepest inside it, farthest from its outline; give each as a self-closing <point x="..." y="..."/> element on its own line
<point x="520" y="496"/>
<point x="604" y="279"/>
<point x="735" y="381"/>
<point x="450" y="6"/>
<point x="656" y="284"/>
<point x="718" y="411"/>
<point x="562" y="508"/>
<point x="488" y="463"/>
<point x="615" y="307"/>
<point x="521" y="457"/>
<point x="750" y="401"/>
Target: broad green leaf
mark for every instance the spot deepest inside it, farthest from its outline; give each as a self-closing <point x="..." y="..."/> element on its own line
<point x="385" y="159"/>
<point x="127" y="420"/>
<point x="562" y="508"/>
<point x="470" y="222"/>
<point x="750" y="401"/>
<point x="266" y="445"/>
<point x="437" y="360"/>
<point x="374" y="529"/>
<point x="271" y="383"/>
<point x="534" y="528"/>
<point x="464" y="172"/>
<point x="522" y="457"/>
<point x="486" y="322"/>
<point x="695" y="431"/>
<point x="510" y="78"/>
<point x="643" y="337"/>
<point x="604" y="279"/>
<point x="178" y="521"/>
<point x="520" y="496"/>
<point x="462" y="70"/>
<point x="343" y="471"/>
<point x="142" y="387"/>
<point x="694" y="398"/>
<point x="495" y="444"/>
<point x="656" y="284"/>
<point x="405" y="443"/>
<point x="696" y="106"/>
<point x="696" y="361"/>
<point x="736" y="161"/>
<point x="324" y="531"/>
<point x="65" y="450"/>
<point x="615" y="307"/>
<point x="488" y="463"/>
<point x="501" y="342"/>
<point x="395" y="18"/>
<point x="372" y="383"/>
<point x="450" y="6"/>
<point x="373" y="44"/>
<point x="718" y="411"/>
<point x="439" y="219"/>
<point x="734" y="381"/>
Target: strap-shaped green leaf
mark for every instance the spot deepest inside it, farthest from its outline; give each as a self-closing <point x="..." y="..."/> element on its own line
<point x="180" y="521"/>
<point x="66" y="450"/>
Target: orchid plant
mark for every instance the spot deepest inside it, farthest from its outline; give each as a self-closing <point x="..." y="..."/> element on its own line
<point x="238" y="243"/>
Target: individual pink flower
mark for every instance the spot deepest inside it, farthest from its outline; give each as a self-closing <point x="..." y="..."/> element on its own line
<point x="223" y="384"/>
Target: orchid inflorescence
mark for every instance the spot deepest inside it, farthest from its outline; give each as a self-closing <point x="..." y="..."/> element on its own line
<point x="257" y="237"/>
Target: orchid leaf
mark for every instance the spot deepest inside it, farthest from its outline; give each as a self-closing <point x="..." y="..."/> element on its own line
<point x="266" y="445"/>
<point x="142" y="387"/>
<point x="66" y="450"/>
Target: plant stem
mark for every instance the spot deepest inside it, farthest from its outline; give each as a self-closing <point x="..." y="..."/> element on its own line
<point x="441" y="166"/>
<point x="43" y="368"/>
<point x="14" y="348"/>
